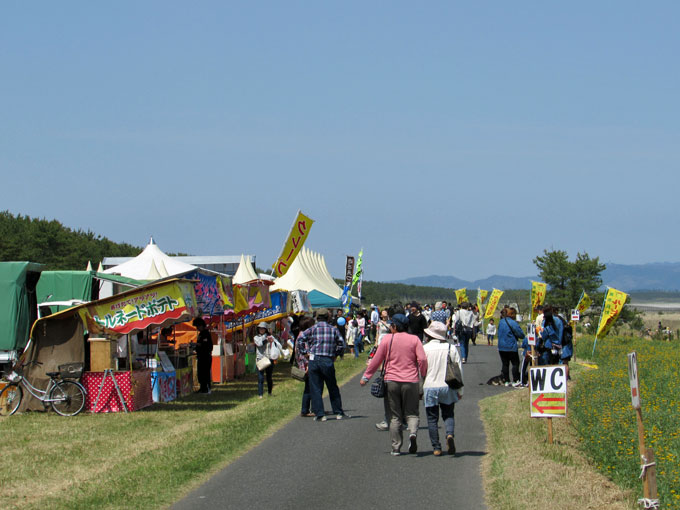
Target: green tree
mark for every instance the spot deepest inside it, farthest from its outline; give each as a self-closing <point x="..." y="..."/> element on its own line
<point x="566" y="280"/>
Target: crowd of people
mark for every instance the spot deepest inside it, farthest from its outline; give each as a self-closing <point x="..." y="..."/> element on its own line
<point x="415" y="349"/>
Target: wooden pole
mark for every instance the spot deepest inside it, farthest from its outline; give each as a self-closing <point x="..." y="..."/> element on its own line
<point x="643" y="452"/>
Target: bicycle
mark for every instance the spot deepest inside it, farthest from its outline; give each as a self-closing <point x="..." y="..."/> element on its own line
<point x="66" y="397"/>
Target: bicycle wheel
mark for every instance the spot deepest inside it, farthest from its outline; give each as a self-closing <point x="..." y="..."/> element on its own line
<point x="10" y="399"/>
<point x="68" y="398"/>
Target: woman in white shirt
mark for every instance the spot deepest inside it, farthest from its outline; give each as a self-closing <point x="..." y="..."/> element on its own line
<point x="436" y="393"/>
<point x="266" y="346"/>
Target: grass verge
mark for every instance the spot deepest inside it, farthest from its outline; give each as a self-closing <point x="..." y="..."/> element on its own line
<point x="522" y="470"/>
<point x="147" y="459"/>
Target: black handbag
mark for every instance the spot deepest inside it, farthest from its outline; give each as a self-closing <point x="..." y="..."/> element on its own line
<point x="454" y="378"/>
<point x="378" y="386"/>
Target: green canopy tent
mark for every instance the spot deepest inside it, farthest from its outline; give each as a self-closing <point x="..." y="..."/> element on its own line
<point x="18" y="306"/>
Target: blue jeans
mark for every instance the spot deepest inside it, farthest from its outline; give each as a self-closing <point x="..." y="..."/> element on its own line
<point x="260" y="380"/>
<point x="321" y="370"/>
<point x="464" y="340"/>
<point x="358" y="345"/>
<point x="433" y="422"/>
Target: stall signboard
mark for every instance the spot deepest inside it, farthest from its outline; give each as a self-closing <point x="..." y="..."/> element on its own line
<point x="153" y="305"/>
<point x="299" y="301"/>
<point x="277" y="310"/>
<point x="211" y="293"/>
<point x="548" y="391"/>
<point x="164" y="386"/>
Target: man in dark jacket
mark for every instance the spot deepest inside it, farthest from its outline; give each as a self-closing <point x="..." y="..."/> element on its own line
<point x="416" y="321"/>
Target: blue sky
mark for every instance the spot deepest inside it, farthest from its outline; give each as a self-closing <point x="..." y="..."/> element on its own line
<point x="442" y="137"/>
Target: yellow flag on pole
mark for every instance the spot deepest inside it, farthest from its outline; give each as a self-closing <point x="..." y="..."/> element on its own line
<point x="297" y="237"/>
<point x="584" y="303"/>
<point x="613" y="304"/>
<point x="493" y="303"/>
<point x="481" y="297"/>
<point x="461" y="295"/>
<point x="537" y="297"/>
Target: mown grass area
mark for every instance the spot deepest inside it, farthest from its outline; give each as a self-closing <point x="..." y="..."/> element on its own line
<point x="600" y="408"/>
<point x="147" y="459"/>
<point x="522" y="470"/>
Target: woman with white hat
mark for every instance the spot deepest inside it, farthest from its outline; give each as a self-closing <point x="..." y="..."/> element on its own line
<point x="267" y="347"/>
<point x="436" y="392"/>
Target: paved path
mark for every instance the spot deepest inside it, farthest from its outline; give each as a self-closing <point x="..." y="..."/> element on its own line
<point x="347" y="464"/>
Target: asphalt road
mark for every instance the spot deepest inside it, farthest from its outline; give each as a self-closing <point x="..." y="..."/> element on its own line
<point x="347" y="463"/>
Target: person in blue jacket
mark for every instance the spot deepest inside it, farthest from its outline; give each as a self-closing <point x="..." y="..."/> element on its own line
<point x="509" y="333"/>
<point x="551" y="338"/>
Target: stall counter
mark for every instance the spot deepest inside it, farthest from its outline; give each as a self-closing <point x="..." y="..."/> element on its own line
<point x="135" y="387"/>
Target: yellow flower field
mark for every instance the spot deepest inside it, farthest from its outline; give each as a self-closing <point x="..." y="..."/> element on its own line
<point x="600" y="407"/>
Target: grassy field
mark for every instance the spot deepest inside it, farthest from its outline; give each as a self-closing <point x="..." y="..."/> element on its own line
<point x="604" y="419"/>
<point x="147" y="459"/>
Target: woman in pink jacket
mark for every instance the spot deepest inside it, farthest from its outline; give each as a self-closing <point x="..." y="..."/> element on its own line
<point x="405" y="362"/>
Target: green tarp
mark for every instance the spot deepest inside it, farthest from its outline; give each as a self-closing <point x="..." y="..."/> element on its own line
<point x="321" y="300"/>
<point x="18" y="303"/>
<point x="65" y="285"/>
<point x="81" y="285"/>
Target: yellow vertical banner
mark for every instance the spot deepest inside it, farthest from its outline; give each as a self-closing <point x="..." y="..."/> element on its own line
<point x="613" y="304"/>
<point x="481" y="297"/>
<point x="493" y="303"/>
<point x="461" y="295"/>
<point x="584" y="303"/>
<point x="537" y="297"/>
<point x="297" y="237"/>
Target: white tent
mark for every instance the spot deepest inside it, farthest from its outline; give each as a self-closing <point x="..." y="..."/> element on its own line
<point x="245" y="272"/>
<point x="151" y="264"/>
<point x="308" y="272"/>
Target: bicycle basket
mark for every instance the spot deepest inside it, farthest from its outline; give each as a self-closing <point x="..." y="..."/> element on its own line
<point x="71" y="370"/>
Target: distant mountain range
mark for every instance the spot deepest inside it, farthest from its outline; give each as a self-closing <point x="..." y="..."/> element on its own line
<point x="663" y="276"/>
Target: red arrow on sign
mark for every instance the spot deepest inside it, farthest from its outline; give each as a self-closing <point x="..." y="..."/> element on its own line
<point x="542" y="398"/>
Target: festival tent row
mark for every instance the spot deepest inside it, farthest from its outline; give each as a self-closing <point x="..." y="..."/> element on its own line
<point x="231" y="306"/>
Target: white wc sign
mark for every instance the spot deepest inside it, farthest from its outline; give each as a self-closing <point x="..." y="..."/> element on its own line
<point x="634" y="380"/>
<point x="548" y="386"/>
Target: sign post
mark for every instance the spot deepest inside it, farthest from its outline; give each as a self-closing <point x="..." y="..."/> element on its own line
<point x="548" y="393"/>
<point x="646" y="454"/>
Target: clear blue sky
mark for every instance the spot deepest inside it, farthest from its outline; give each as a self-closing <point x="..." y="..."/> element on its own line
<point x="452" y="138"/>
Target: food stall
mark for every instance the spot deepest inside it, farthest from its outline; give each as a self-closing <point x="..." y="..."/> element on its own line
<point x="159" y="304"/>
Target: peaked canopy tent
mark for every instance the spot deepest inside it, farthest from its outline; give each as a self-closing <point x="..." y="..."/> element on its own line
<point x="151" y="264"/>
<point x="308" y="272"/>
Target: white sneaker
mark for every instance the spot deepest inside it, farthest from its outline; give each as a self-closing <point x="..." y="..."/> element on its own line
<point x="517" y="384"/>
<point x="383" y="425"/>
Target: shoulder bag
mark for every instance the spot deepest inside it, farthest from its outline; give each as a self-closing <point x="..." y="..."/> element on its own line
<point x="263" y="363"/>
<point x="454" y="378"/>
<point x="378" y="387"/>
<point x="297" y="373"/>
